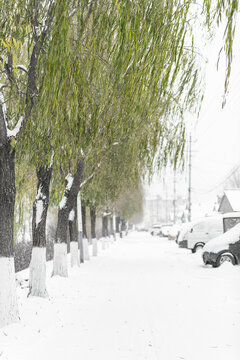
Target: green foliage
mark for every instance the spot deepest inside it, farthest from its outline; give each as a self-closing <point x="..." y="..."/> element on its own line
<point x="130" y="203"/>
<point x="106" y="71"/>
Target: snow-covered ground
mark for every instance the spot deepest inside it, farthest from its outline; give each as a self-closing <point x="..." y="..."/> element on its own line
<point x="142" y="298"/>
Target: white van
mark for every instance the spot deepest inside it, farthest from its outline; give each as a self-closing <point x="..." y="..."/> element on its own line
<point x="196" y="234"/>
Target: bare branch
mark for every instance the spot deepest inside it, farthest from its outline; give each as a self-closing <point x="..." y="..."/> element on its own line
<point x="22" y="67"/>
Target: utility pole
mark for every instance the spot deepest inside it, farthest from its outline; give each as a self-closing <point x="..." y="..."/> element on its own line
<point x="190" y="180"/>
<point x="174" y="196"/>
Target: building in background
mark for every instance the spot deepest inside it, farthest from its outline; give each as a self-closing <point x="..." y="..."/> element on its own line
<point x="230" y="201"/>
<point x="159" y="209"/>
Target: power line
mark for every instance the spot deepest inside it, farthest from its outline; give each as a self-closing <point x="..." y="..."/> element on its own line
<point x="223" y="181"/>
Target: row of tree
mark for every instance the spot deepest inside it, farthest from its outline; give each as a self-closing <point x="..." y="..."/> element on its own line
<point x="92" y="95"/>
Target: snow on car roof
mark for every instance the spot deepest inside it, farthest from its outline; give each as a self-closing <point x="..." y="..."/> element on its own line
<point x="221" y="242"/>
<point x="187" y="226"/>
<point x="232" y="214"/>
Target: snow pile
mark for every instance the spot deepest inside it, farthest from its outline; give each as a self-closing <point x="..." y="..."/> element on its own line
<point x="223" y="241"/>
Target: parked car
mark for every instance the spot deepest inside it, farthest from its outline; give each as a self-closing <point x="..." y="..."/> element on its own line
<point x="160" y="229"/>
<point x="165" y="228"/>
<point x="225" y="247"/>
<point x="155" y="229"/>
<point x="196" y="234"/>
<point x="174" y="231"/>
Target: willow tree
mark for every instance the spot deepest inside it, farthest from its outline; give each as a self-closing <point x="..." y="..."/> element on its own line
<point x="123" y="76"/>
<point x="122" y="59"/>
<point x="26" y="28"/>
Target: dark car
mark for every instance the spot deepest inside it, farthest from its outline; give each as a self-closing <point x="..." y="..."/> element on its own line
<point x="225" y="247"/>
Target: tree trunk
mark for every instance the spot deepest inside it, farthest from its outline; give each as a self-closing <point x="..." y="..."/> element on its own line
<point x="37" y="278"/>
<point x="73" y="235"/>
<point x="85" y="238"/>
<point x="111" y="226"/>
<point x="8" y="299"/>
<point x="65" y="206"/>
<point x="84" y="221"/>
<point x="104" y="225"/>
<point x="104" y="231"/>
<point x="117" y="224"/>
<point x="80" y="237"/>
<point x="93" y="222"/>
<point x="114" y="227"/>
<point x="93" y="231"/>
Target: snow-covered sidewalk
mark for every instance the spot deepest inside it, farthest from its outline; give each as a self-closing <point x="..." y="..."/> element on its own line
<point x="142" y="298"/>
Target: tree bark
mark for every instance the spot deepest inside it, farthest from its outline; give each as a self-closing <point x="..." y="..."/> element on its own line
<point x="85" y="237"/>
<point x="84" y="221"/>
<point x="73" y="223"/>
<point x="114" y="226"/>
<point x="8" y="300"/>
<point x="117" y="224"/>
<point x="111" y="226"/>
<point x="104" y="225"/>
<point x="93" y="222"/>
<point x="80" y="237"/>
<point x="7" y="200"/>
<point x="37" y="278"/>
<point x="73" y="235"/>
<point x="93" y="231"/>
<point x="65" y="206"/>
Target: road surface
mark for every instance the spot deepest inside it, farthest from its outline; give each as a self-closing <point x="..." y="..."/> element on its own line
<point x="141" y="298"/>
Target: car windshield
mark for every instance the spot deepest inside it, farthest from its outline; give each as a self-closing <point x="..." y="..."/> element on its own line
<point x="228" y="223"/>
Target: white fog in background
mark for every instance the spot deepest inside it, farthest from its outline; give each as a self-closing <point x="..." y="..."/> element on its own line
<point x="215" y="134"/>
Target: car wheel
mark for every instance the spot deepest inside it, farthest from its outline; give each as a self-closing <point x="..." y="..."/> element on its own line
<point x="226" y="257"/>
<point x="197" y="248"/>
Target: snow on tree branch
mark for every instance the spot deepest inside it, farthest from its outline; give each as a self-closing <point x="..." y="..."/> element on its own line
<point x="86" y="180"/>
<point x="69" y="181"/>
<point x="13" y="133"/>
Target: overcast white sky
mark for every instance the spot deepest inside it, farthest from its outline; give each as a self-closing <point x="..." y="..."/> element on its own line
<point x="216" y="146"/>
<point x="216" y="134"/>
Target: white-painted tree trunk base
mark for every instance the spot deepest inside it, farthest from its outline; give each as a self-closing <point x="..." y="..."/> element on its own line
<point x="74" y="254"/>
<point x="94" y="247"/>
<point x="37" y="275"/>
<point x="60" y="260"/>
<point x="86" y="249"/>
<point x="8" y="298"/>
<point x="103" y="241"/>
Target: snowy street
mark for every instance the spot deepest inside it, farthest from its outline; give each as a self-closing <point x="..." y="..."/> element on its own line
<point x="141" y="298"/>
